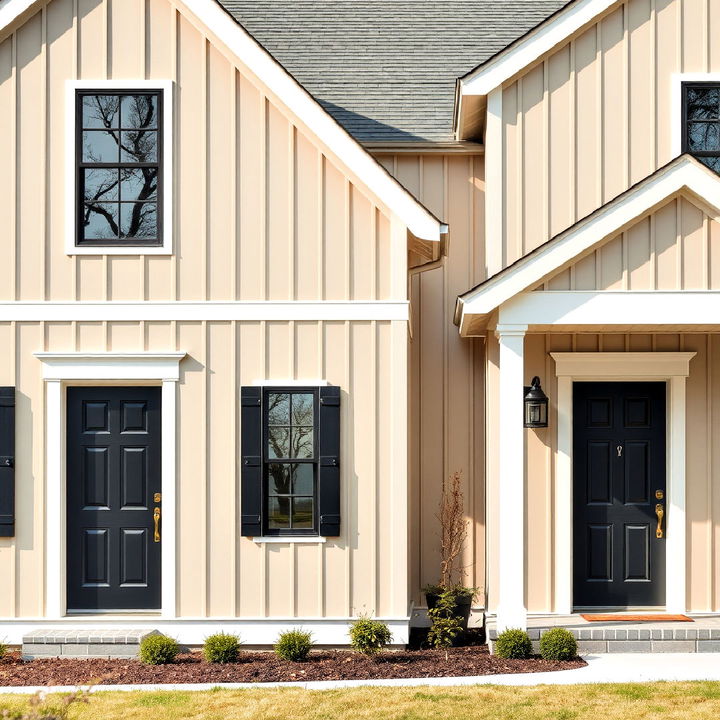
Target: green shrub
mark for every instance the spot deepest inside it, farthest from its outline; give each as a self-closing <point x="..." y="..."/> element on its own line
<point x="513" y="644"/>
<point x="369" y="636"/>
<point x="558" y="644"/>
<point x="294" y="645"/>
<point x="221" y="648"/>
<point x="446" y="625"/>
<point x="3" y="650"/>
<point x="158" y="650"/>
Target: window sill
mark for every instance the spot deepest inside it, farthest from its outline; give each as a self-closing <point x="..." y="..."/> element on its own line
<point x="118" y="250"/>
<point x="289" y="539"/>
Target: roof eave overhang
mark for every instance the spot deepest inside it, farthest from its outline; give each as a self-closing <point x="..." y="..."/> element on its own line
<point x="684" y="174"/>
<point x="525" y="51"/>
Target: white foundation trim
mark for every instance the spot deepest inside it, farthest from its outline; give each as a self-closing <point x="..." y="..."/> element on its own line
<point x="683" y="174"/>
<point x="165" y="87"/>
<point x="672" y="368"/>
<point x="511" y="611"/>
<point x="241" y="311"/>
<point x="683" y="308"/>
<point x="194" y="631"/>
<point x="61" y="370"/>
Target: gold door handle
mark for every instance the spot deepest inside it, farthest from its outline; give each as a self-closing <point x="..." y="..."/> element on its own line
<point x="156" y="518"/>
<point x="660" y="512"/>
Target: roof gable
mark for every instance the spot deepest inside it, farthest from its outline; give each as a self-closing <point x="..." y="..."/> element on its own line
<point x="684" y="174"/>
<point x="531" y="46"/>
<point x="418" y="219"/>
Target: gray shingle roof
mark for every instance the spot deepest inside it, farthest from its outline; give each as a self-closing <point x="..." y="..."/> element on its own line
<point x="386" y="69"/>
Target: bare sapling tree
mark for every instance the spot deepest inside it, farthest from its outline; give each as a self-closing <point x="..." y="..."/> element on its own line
<point x="453" y="531"/>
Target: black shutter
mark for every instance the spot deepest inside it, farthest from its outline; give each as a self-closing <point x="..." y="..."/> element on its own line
<point x="7" y="461"/>
<point x="329" y="471"/>
<point x="251" y="450"/>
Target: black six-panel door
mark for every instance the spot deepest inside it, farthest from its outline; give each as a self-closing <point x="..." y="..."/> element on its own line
<point x="113" y="476"/>
<point x="619" y="482"/>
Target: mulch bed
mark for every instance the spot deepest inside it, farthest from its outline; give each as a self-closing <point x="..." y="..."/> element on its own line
<point x="255" y="666"/>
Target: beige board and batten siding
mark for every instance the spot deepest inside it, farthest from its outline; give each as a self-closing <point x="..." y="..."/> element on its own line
<point x="595" y="116"/>
<point x="262" y="212"/>
<point x="447" y="385"/>
<point x="669" y="249"/>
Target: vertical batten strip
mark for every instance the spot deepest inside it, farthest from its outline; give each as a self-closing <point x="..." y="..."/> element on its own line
<point x="321" y="557"/>
<point x="709" y="463"/>
<point x="520" y="243"/>
<point x="14" y="164"/>
<point x="599" y="100"/>
<point x="654" y="82"/>
<point x="205" y="180"/>
<point x="175" y="63"/>
<point x="44" y="113"/>
<point x="322" y="230"/>
<point x="627" y="106"/>
<point x="264" y="547"/>
<point x="236" y="180"/>
<point x="547" y="150"/>
<point x="292" y="200"/>
<point x="572" y="155"/>
<point x="74" y="260"/>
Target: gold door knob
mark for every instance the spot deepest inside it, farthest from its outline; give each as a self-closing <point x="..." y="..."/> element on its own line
<point x="156" y="518"/>
<point x="660" y="512"/>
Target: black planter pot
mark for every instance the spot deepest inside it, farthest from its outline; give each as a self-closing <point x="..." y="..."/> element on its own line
<point x="463" y="605"/>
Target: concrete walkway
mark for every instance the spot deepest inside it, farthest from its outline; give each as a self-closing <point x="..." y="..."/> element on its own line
<point x="617" y="668"/>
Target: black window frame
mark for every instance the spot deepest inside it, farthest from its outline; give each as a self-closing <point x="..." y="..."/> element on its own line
<point x="267" y="461"/>
<point x="80" y="241"/>
<point x="685" y="145"/>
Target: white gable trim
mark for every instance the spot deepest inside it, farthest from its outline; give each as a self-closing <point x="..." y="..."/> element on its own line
<point x="685" y="173"/>
<point x="535" y="44"/>
<point x="417" y="218"/>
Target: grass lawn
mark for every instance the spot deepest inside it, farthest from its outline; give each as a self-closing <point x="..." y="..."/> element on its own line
<point x="688" y="701"/>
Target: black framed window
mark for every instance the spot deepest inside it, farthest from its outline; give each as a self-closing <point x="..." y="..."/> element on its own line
<point x="290" y="461"/>
<point x="701" y="122"/>
<point x="119" y="168"/>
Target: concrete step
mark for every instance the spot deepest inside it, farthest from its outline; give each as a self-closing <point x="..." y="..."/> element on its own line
<point x="625" y="637"/>
<point x="54" y="643"/>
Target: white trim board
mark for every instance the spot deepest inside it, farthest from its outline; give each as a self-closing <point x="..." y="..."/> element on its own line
<point x="165" y="87"/>
<point x="685" y="308"/>
<point x="682" y="174"/>
<point x="61" y="370"/>
<point x="212" y="310"/>
<point x="194" y="631"/>
<point x="673" y="368"/>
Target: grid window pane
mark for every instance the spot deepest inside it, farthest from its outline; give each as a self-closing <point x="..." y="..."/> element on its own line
<point x="712" y="162"/>
<point x="100" y="184"/>
<point x="100" y="111"/>
<point x="139" y="184"/>
<point x="138" y="146"/>
<point x="279" y="479"/>
<point x="703" y="136"/>
<point x="101" y="221"/>
<point x="302" y="442"/>
<point x="139" y="111"/>
<point x="703" y="103"/>
<point x="101" y="146"/>
<point x="303" y="481"/>
<point x="302" y="408"/>
<point x="302" y="516"/>
<point x="278" y="409"/>
<point x="278" y="442"/>
<point x="138" y="220"/>
<point x="279" y="513"/>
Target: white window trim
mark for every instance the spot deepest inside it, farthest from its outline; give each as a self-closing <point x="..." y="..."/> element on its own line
<point x="166" y="88"/>
<point x="61" y="370"/>
<point x="672" y="368"/>
<point x="676" y="118"/>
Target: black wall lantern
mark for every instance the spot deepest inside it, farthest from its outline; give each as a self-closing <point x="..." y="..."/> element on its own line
<point x="536" y="406"/>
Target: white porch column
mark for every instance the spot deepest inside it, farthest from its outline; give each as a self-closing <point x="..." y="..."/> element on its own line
<point x="511" y="612"/>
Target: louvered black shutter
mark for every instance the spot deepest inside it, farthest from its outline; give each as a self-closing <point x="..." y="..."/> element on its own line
<point x="7" y="461"/>
<point x="251" y="450"/>
<point x="329" y="471"/>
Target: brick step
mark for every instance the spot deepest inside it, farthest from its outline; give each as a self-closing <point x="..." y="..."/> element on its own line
<point x="615" y="639"/>
<point x="54" y="643"/>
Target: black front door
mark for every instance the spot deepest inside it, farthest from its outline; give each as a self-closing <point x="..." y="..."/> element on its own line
<point x="619" y="482"/>
<point x="113" y="493"/>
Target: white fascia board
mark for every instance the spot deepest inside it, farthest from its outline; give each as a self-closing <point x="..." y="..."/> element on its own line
<point x="319" y="310"/>
<point x="410" y="211"/>
<point x="605" y="308"/>
<point x="526" y="51"/>
<point x="683" y="174"/>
